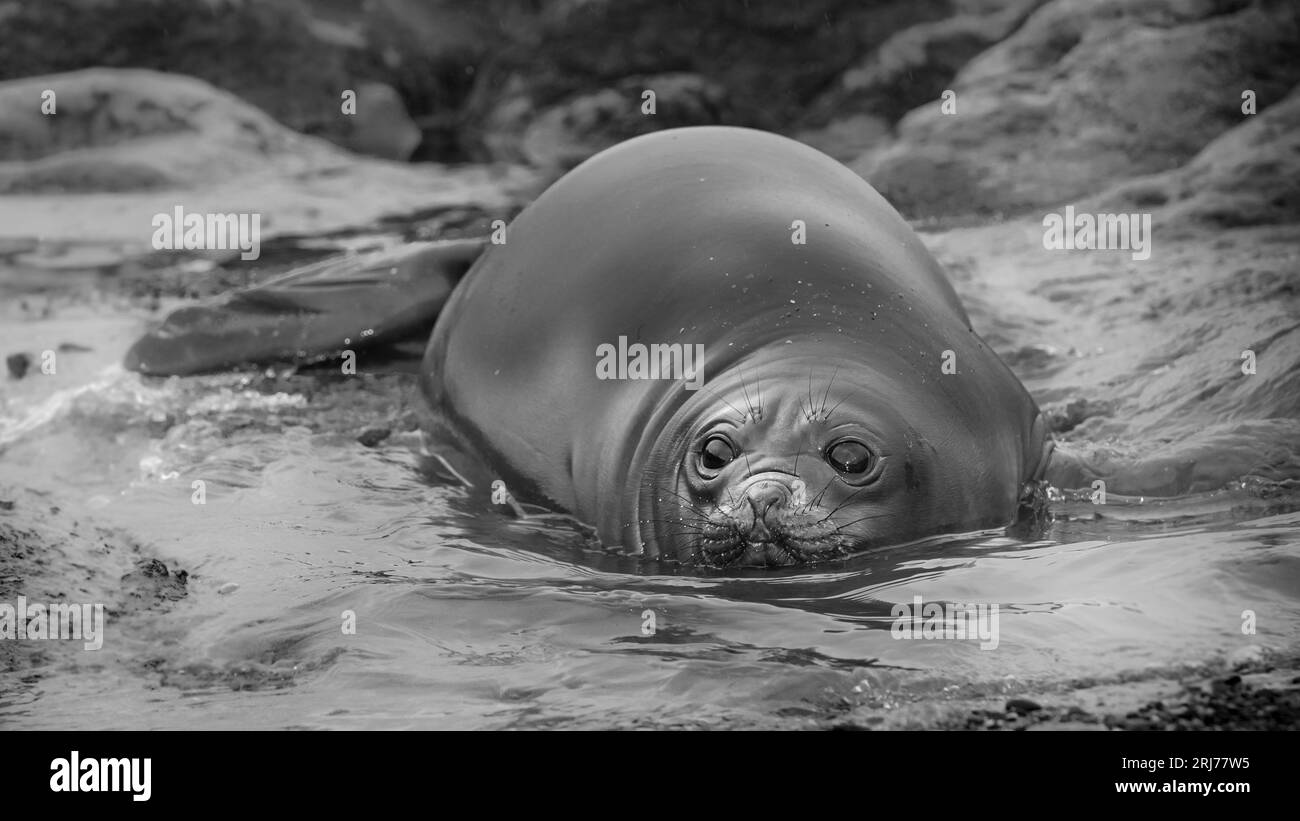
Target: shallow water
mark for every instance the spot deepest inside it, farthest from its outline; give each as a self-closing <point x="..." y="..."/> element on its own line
<point x="468" y="619"/>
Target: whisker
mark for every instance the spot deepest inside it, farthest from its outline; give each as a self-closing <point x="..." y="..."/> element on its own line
<point x="712" y="392"/>
<point x="809" y="413"/>
<point x="839" y="528"/>
<point x="749" y="403"/>
<point x="818" y="499"/>
<point x="691" y="504"/>
<point x="828" y="390"/>
<point x="841" y="402"/>
<point x="842" y="503"/>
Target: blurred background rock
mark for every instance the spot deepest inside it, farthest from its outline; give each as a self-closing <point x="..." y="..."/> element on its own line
<point x="1056" y="98"/>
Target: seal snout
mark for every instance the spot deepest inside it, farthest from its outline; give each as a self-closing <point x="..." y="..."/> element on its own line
<point x="767" y="503"/>
<point x="764" y="526"/>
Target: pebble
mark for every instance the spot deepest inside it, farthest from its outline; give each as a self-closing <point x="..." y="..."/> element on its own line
<point x="1022" y="706"/>
<point x="373" y="436"/>
<point x="18" y="364"/>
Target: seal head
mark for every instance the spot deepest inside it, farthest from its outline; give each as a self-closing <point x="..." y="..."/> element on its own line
<point x="799" y="460"/>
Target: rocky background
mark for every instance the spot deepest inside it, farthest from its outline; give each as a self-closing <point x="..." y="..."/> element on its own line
<point x="1054" y="99"/>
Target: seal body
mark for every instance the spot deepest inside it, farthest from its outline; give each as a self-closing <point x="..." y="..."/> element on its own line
<point x="825" y="421"/>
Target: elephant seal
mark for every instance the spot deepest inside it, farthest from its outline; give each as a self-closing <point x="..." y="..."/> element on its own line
<point x="714" y="345"/>
<point x="825" y="423"/>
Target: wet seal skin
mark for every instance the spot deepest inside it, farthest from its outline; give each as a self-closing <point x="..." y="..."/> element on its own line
<point x="826" y="423"/>
<point x="828" y="397"/>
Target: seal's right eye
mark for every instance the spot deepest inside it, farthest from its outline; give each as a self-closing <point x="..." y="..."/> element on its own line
<point x="715" y="453"/>
<point x="849" y="456"/>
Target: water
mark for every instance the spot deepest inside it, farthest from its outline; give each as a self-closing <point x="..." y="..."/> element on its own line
<point x="468" y="619"/>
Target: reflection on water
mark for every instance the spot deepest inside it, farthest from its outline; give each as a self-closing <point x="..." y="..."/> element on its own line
<point x="465" y="618"/>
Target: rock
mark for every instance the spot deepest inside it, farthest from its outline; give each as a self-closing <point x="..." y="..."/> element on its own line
<point x="1084" y="95"/>
<point x="1063" y="420"/>
<point x="499" y="130"/>
<point x="454" y="65"/>
<point x="265" y="53"/>
<point x="127" y="130"/>
<point x="847" y="136"/>
<point x="159" y="423"/>
<point x="157" y="141"/>
<point x="570" y="132"/>
<point x="373" y="436"/>
<point x="1245" y="656"/>
<point x="153" y="582"/>
<point x="1022" y="706"/>
<point x="381" y="127"/>
<point x="1249" y="175"/>
<point x="18" y="364"/>
<point x="772" y="59"/>
<point x="911" y="68"/>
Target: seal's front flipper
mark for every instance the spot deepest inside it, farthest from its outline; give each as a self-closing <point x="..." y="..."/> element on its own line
<point x="311" y="313"/>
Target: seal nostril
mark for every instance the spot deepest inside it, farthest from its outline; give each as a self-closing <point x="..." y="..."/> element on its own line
<point x="767" y="501"/>
<point x="758" y="532"/>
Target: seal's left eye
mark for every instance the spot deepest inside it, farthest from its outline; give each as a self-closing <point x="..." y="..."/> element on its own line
<point x="848" y="456"/>
<point x="716" y="452"/>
